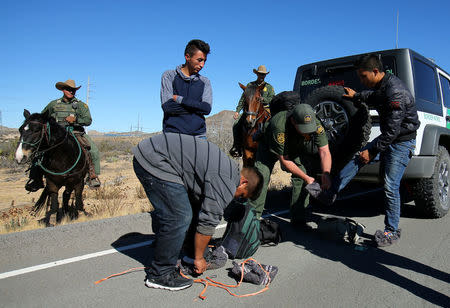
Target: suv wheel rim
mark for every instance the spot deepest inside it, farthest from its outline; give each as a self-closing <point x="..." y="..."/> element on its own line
<point x="443" y="183"/>
<point x="334" y="119"/>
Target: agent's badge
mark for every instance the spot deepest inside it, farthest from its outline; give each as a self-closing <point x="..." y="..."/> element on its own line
<point x="320" y="130"/>
<point x="280" y="138"/>
<point x="307" y="119"/>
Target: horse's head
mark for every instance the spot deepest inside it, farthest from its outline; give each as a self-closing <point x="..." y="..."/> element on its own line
<point x="253" y="107"/>
<point x="32" y="133"/>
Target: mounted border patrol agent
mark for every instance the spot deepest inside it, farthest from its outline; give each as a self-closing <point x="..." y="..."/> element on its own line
<point x="70" y="111"/>
<point x="267" y="94"/>
<point x="294" y="138"/>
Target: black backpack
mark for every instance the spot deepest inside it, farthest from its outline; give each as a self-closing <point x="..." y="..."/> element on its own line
<point x="242" y="234"/>
<point x="270" y="232"/>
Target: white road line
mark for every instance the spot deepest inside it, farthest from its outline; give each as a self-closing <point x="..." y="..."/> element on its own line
<point x="92" y="255"/>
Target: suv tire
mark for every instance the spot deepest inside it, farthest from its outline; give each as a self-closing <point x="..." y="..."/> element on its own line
<point x="431" y="195"/>
<point x="347" y="127"/>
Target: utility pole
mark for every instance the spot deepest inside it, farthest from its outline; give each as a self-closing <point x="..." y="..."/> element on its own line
<point x="396" y="37"/>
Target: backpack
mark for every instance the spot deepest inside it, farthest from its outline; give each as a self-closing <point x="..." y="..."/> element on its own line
<point x="242" y="234"/>
<point x="270" y="232"/>
<point x="340" y="229"/>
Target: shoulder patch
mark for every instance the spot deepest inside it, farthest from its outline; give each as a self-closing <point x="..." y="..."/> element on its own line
<point x="320" y="130"/>
<point x="394" y="105"/>
<point x="280" y="138"/>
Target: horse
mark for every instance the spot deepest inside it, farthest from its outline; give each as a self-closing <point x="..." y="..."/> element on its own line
<point x="255" y="116"/>
<point x="58" y="153"/>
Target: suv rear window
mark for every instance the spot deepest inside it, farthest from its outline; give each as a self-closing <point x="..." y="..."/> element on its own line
<point x="341" y="74"/>
<point x="426" y="88"/>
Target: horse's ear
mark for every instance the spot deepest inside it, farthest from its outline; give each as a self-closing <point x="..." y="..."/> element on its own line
<point x="26" y="113"/>
<point x="242" y="86"/>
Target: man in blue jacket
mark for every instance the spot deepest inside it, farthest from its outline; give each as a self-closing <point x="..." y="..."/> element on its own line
<point x="186" y="96"/>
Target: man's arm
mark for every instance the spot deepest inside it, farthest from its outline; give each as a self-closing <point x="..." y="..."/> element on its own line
<point x="168" y="103"/>
<point x="291" y="167"/>
<point x="325" y="163"/>
<point x="200" y="107"/>
<point x="270" y="94"/>
<point x="201" y="242"/>
<point x="394" y="117"/>
<point x="83" y="115"/>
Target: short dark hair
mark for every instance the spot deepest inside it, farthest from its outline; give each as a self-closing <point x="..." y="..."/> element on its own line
<point x="195" y="45"/>
<point x="255" y="181"/>
<point x="369" y="62"/>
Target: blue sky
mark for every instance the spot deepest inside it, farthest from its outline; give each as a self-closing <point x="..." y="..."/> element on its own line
<point x="125" y="46"/>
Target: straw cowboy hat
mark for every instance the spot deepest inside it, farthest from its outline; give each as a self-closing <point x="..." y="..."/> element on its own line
<point x="261" y="69"/>
<point x="69" y="83"/>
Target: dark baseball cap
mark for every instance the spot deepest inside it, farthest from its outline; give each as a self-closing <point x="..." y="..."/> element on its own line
<point x="304" y="118"/>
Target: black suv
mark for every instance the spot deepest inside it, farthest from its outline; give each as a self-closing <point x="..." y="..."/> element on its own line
<point x="320" y="84"/>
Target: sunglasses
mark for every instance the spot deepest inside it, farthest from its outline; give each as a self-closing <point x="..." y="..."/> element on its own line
<point x="70" y="90"/>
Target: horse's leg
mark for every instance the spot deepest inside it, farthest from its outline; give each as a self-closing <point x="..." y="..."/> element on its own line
<point x="65" y="202"/>
<point x="79" y="206"/>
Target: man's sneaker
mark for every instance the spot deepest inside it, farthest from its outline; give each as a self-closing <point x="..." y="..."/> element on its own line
<point x="34" y="185"/>
<point x="172" y="281"/>
<point x="94" y="183"/>
<point x="387" y="238"/>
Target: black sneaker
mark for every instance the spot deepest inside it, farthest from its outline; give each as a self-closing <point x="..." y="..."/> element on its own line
<point x="172" y="281"/>
<point x="386" y="237"/>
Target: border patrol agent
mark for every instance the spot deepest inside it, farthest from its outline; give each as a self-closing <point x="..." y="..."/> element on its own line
<point x="266" y="94"/>
<point x="67" y="111"/>
<point x="294" y="138"/>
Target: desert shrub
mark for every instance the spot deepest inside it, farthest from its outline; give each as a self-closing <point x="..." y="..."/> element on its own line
<point x="140" y="192"/>
<point x="7" y="153"/>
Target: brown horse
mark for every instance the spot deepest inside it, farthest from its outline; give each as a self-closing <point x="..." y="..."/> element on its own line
<point x="255" y="117"/>
<point x="59" y="154"/>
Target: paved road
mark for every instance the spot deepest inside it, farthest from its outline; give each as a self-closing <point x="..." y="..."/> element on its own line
<point x="313" y="272"/>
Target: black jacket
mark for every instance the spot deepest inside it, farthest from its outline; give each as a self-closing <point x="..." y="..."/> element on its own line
<point x="397" y="111"/>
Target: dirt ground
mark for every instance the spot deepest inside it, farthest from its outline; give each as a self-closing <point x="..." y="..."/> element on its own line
<point x="120" y="194"/>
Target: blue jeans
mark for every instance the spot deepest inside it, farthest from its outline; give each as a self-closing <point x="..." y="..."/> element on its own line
<point x="393" y="164"/>
<point x="171" y="218"/>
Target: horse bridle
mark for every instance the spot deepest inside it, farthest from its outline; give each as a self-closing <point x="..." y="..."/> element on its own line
<point x="254" y="113"/>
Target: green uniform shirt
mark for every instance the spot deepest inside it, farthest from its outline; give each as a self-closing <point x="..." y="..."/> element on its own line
<point x="60" y="109"/>
<point x="267" y="94"/>
<point x="281" y="138"/>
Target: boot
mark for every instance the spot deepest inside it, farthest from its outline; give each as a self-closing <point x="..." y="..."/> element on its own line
<point x="93" y="181"/>
<point x="35" y="182"/>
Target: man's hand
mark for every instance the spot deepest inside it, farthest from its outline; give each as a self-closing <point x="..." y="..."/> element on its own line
<point x="349" y="93"/>
<point x="200" y="265"/>
<point x="309" y="180"/>
<point x="236" y="115"/>
<point x="365" y="157"/>
<point x="71" y="119"/>
<point x="174" y="97"/>
<point x="326" y="181"/>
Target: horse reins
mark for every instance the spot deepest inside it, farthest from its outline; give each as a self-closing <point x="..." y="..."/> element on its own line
<point x="45" y="131"/>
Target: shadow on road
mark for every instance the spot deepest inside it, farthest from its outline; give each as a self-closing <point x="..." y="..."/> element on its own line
<point x="141" y="254"/>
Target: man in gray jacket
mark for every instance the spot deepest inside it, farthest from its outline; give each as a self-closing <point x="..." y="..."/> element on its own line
<point x="178" y="171"/>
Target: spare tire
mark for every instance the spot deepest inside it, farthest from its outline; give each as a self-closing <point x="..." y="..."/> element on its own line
<point x="285" y="100"/>
<point x="347" y="127"/>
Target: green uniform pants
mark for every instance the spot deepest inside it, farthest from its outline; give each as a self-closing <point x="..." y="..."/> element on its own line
<point x="300" y="197"/>
<point x="95" y="154"/>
